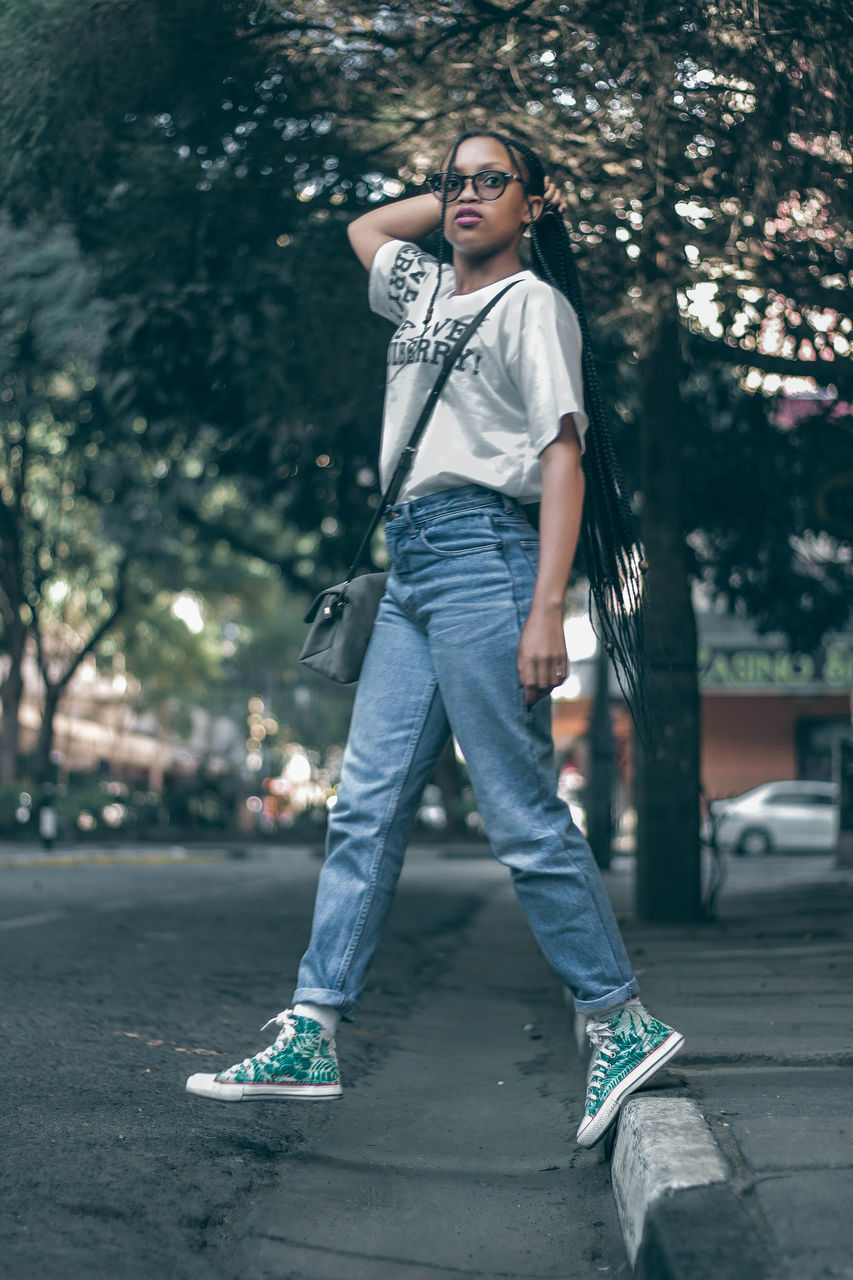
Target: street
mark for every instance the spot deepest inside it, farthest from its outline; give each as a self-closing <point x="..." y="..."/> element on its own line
<point x="451" y="1153"/>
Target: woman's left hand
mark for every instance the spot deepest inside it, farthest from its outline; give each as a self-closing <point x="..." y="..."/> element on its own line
<point x="542" y="659"/>
<point x="553" y="197"/>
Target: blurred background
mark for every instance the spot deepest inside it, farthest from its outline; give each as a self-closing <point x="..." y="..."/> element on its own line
<point x="191" y="385"/>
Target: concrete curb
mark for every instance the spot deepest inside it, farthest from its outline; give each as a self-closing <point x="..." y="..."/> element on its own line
<point x="663" y="1145"/>
<point x="681" y="1218"/>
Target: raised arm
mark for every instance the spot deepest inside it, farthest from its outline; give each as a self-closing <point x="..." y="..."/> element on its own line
<point x="410" y="219"/>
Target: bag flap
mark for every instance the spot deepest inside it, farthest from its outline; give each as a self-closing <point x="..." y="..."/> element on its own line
<point x="330" y="595"/>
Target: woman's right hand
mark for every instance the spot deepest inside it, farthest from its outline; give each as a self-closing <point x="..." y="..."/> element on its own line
<point x="409" y="219"/>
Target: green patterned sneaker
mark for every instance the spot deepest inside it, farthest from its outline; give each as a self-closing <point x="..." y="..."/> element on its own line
<point x="301" y="1063"/>
<point x="628" y="1049"/>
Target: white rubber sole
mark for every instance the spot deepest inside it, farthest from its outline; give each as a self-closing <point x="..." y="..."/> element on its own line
<point x="207" y="1086"/>
<point x="593" y="1128"/>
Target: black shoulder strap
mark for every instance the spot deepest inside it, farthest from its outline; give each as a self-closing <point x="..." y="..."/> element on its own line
<point x="408" y="454"/>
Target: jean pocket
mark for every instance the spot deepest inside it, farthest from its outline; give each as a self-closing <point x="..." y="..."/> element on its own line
<point x="461" y="535"/>
<point x="530" y="550"/>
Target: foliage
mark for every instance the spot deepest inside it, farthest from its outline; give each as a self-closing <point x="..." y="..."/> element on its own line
<point x="89" y="530"/>
<point x="51" y="325"/>
<point x="772" y="539"/>
<point x="266" y="634"/>
<point x="210" y="165"/>
<point x="215" y="274"/>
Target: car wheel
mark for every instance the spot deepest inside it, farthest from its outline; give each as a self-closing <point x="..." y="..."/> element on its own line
<point x="754" y="843"/>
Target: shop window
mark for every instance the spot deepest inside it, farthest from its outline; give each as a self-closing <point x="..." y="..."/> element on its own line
<point x="815" y="745"/>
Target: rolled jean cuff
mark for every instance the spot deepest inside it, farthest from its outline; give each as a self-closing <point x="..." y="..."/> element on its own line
<point x="610" y="1001"/>
<point x="331" y="999"/>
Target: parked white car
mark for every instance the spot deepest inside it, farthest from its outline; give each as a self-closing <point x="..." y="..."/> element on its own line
<point x="777" y="817"/>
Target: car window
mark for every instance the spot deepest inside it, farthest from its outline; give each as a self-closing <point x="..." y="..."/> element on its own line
<point x="798" y="797"/>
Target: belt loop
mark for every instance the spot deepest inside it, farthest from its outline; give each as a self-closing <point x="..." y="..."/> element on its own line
<point x="508" y="504"/>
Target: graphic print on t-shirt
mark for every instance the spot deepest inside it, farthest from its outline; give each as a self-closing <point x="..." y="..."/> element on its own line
<point x="406" y="277"/>
<point x="413" y="343"/>
<point x="503" y="402"/>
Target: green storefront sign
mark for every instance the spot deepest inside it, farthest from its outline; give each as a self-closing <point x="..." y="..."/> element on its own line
<point x="825" y="670"/>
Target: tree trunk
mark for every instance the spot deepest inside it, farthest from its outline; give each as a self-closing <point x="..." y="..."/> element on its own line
<point x="43" y="765"/>
<point x="668" y="850"/>
<point x="842" y="768"/>
<point x="11" y="692"/>
<point x="599" y="808"/>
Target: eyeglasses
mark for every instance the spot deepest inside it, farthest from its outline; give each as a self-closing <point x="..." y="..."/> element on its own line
<point x="488" y="184"/>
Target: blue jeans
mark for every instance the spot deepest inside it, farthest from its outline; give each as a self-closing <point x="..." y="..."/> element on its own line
<point x="442" y="658"/>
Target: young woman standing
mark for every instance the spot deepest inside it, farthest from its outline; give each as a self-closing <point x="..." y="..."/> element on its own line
<point x="469" y="635"/>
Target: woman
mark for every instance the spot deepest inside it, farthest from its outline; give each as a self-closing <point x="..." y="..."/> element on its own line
<point x="469" y="635"/>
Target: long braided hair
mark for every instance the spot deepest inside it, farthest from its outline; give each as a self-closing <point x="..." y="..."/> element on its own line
<point x="613" y="556"/>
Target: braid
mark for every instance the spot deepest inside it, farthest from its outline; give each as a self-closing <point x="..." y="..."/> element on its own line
<point x="612" y="552"/>
<point x="443" y="246"/>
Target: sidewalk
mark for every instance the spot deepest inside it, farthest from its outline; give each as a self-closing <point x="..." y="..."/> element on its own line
<point x="763" y="997"/>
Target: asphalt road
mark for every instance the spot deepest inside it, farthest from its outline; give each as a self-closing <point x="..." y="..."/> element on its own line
<point x="120" y="980"/>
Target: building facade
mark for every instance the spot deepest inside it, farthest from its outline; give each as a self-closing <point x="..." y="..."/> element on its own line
<point x="768" y="713"/>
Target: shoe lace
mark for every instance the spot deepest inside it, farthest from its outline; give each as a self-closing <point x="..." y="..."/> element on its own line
<point x="286" y="1021"/>
<point x="604" y="1051"/>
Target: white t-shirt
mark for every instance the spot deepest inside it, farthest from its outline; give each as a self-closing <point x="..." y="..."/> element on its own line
<point x="502" y="404"/>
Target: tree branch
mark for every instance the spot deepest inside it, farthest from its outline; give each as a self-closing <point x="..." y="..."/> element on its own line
<point x="119" y="604"/>
<point x="214" y="532"/>
<point x="837" y="372"/>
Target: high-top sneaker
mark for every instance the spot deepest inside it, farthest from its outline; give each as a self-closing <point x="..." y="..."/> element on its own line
<point x="629" y="1047"/>
<point x="300" y="1063"/>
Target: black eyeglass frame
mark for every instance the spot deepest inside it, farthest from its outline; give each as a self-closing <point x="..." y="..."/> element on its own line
<point x="438" y="180"/>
